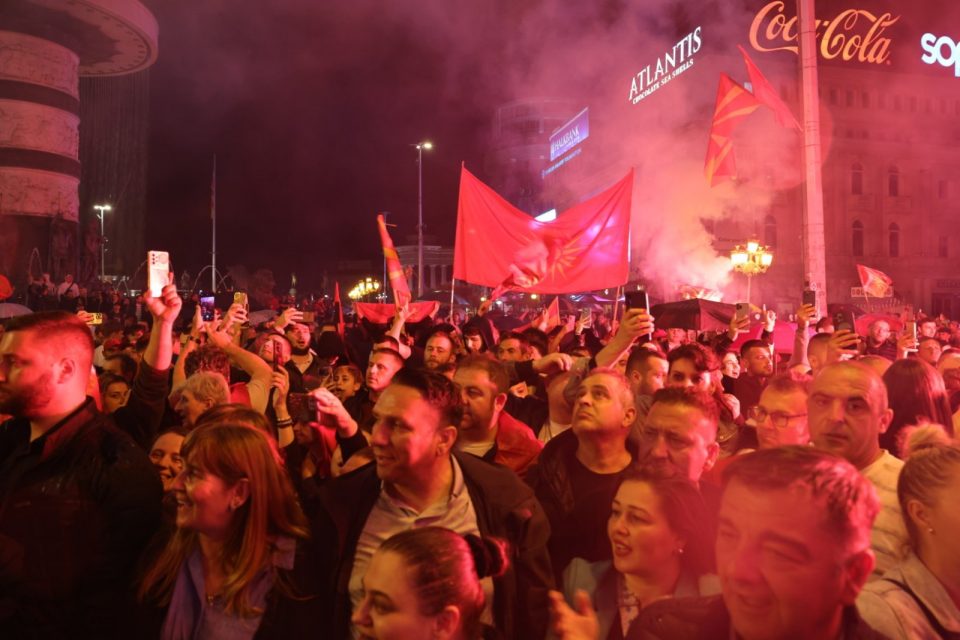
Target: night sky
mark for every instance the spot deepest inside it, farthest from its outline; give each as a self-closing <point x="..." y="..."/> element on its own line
<point x="311" y="109"/>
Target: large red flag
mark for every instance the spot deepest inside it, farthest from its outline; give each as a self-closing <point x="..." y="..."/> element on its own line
<point x="586" y="247"/>
<point x="380" y="313"/>
<point x="875" y="282"/>
<point x="401" y="291"/>
<point x="733" y="104"/>
<point x="767" y="95"/>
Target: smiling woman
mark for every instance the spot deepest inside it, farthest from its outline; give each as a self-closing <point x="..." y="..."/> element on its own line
<point x="233" y="564"/>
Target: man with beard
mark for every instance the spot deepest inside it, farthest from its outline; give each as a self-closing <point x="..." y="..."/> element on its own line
<point x="756" y="368"/>
<point x="439" y="350"/>
<point x="486" y="430"/>
<point x="680" y="433"/>
<point x="78" y="498"/>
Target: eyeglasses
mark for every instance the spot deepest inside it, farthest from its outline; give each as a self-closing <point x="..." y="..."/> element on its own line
<point x="779" y="419"/>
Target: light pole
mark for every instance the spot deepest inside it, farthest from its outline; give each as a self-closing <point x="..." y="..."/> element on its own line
<point x="426" y="144"/>
<point x="101" y="209"/>
<point x="751" y="260"/>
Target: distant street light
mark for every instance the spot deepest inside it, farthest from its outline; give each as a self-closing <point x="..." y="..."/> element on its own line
<point x="426" y="144"/>
<point x="101" y="209"/>
<point x="751" y="260"/>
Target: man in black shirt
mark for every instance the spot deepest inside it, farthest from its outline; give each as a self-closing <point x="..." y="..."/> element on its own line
<point x="580" y="469"/>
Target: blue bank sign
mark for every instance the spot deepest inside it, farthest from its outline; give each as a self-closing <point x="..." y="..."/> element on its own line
<point x="570" y="135"/>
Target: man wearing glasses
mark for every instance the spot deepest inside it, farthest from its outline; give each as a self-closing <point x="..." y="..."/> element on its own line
<point x="781" y="415"/>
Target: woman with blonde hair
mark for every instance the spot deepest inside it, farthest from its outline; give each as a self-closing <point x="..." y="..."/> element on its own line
<point x="235" y="566"/>
<point x="920" y="598"/>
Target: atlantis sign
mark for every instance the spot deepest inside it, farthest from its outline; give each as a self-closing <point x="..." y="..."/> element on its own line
<point x="667" y="67"/>
<point x="852" y="35"/>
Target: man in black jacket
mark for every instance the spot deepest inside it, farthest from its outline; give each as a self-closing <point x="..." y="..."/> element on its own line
<point x="417" y="480"/>
<point x="78" y="498"/>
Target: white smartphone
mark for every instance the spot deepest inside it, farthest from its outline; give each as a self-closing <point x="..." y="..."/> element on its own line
<point x="158" y="272"/>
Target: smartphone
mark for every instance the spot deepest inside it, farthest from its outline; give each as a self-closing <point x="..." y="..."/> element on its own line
<point x="844" y="320"/>
<point x="240" y="297"/>
<point x="207" y="307"/>
<point x="743" y="309"/>
<point x="636" y="300"/>
<point x="302" y="407"/>
<point x="585" y="316"/>
<point x="912" y="332"/>
<point x="158" y="272"/>
<point x="309" y="316"/>
<point x="810" y="297"/>
<point x="95" y="318"/>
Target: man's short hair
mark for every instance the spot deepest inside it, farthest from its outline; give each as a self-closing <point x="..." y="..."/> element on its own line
<point x="692" y="398"/>
<point x="818" y="342"/>
<point x="876" y="381"/>
<point x="790" y="382"/>
<point x="514" y="335"/>
<point x="850" y="501"/>
<point x="395" y="344"/>
<point x="753" y="344"/>
<point x="536" y="339"/>
<point x="352" y="369"/>
<point x="640" y="356"/>
<point x="59" y="330"/>
<point x="442" y="334"/>
<point x="390" y="352"/>
<point x="824" y="322"/>
<point x="495" y="369"/>
<point x="437" y="390"/>
<point x="208" y="358"/>
<point x="626" y="391"/>
<point x="108" y="379"/>
<point x="208" y="386"/>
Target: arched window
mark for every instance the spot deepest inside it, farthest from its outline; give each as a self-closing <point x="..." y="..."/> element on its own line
<point x="857" y="238"/>
<point x="770" y="231"/>
<point x="856" y="179"/>
<point x="893" y="182"/>
<point x="943" y="247"/>
<point x="894" y="240"/>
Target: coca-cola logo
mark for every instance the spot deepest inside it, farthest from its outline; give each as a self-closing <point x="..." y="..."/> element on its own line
<point x="853" y="35"/>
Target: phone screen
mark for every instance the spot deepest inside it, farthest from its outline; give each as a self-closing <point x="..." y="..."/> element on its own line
<point x="206" y="308"/>
<point x="636" y="300"/>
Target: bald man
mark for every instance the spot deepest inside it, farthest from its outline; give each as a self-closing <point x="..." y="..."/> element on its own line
<point x="78" y="498"/>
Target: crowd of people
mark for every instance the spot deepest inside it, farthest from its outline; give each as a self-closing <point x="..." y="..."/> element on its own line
<point x="167" y="476"/>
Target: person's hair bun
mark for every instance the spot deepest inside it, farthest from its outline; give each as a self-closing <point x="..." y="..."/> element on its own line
<point x="490" y="555"/>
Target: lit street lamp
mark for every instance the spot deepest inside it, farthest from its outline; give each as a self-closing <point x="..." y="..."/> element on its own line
<point x="364" y="288"/>
<point x="101" y="209"/>
<point x="751" y="260"/>
<point x="426" y="144"/>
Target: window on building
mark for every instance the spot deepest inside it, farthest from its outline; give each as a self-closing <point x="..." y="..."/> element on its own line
<point x="943" y="247"/>
<point x="913" y="104"/>
<point x="849" y="97"/>
<point x="833" y="95"/>
<point x="893" y="182"/>
<point x="770" y="231"/>
<point x="865" y="97"/>
<point x="894" y="240"/>
<point x="943" y="189"/>
<point x="857" y="238"/>
<point x="897" y="103"/>
<point x="856" y="179"/>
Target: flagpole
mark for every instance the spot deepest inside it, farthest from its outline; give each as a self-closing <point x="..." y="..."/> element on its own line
<point x="616" y="303"/>
<point x="814" y="249"/>
<point x="452" y="281"/>
<point x="213" y="218"/>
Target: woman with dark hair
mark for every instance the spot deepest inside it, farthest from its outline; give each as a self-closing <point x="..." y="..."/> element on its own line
<point x="693" y="365"/>
<point x="916" y="394"/>
<point x="233" y="568"/>
<point x="662" y="543"/>
<point x="428" y="584"/>
<point x="920" y="598"/>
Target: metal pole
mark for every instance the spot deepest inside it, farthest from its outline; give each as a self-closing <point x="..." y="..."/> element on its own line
<point x="103" y="250"/>
<point x="814" y="246"/>
<point x="419" y="220"/>
<point x="749" y="279"/>
<point x="385" y="214"/>
<point x="213" y="218"/>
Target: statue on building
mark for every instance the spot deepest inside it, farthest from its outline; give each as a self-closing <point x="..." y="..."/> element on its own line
<point x="62" y="248"/>
<point x="90" y="261"/>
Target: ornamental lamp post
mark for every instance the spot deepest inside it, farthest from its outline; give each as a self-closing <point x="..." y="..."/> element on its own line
<point x="751" y="260"/>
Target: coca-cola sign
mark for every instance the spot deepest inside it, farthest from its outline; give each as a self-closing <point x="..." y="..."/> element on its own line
<point x="852" y="35"/>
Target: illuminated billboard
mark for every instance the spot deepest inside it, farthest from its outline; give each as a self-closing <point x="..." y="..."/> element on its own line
<point x="570" y="135"/>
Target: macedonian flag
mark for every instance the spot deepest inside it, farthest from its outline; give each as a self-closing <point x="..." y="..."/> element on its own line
<point x="733" y="104"/>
